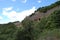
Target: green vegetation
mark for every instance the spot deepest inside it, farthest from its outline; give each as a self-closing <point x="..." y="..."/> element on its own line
<point x="48" y="28"/>
<point x="7" y="31"/>
<point x="32" y="14"/>
<point x="26" y="33"/>
<point x="46" y="8"/>
<point x="45" y="27"/>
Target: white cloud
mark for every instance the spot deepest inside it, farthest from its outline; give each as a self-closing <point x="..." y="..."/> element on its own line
<point x="13" y="0"/>
<point x="18" y="16"/>
<point x="7" y="9"/>
<point x="24" y="1"/>
<point x="1" y="17"/>
<point x="39" y="1"/>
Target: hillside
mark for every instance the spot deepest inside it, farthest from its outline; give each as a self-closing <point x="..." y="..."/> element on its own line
<point x="41" y="25"/>
<point x="39" y="13"/>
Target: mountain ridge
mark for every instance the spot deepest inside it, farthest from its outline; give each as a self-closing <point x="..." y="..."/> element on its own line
<point x="37" y="15"/>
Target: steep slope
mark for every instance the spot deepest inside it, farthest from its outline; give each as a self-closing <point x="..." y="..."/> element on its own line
<point x="47" y="27"/>
<point x="50" y="27"/>
<point x="40" y="13"/>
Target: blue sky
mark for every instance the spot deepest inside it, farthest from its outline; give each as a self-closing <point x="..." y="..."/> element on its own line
<point x="17" y="10"/>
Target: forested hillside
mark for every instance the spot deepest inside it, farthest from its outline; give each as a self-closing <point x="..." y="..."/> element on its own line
<point x="46" y="28"/>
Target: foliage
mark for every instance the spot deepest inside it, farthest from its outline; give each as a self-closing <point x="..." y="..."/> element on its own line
<point x="33" y="30"/>
<point x="32" y="14"/>
<point x="7" y="31"/>
<point x="26" y="33"/>
<point x="46" y="8"/>
<point x="50" y="23"/>
<point x="53" y="21"/>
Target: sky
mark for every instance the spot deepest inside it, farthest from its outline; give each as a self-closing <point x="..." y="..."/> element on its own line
<point x="17" y="10"/>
